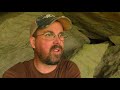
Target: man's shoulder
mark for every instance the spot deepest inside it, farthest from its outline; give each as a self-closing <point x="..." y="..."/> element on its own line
<point x="17" y="69"/>
<point x="19" y="66"/>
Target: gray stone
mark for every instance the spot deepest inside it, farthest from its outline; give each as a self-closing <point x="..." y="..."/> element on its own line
<point x="88" y="58"/>
<point x="109" y="66"/>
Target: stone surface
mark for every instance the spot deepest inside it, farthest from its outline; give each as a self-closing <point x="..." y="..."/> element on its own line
<point x="115" y="39"/>
<point x="109" y="67"/>
<point x="96" y="25"/>
<point x="75" y="41"/>
<point x="88" y="58"/>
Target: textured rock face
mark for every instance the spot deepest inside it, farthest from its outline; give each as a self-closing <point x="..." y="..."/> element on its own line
<point x="74" y="42"/>
<point x="109" y="67"/>
<point x="96" y="25"/>
<point x="88" y="58"/>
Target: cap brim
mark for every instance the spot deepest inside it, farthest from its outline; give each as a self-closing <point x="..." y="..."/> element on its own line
<point x="66" y="22"/>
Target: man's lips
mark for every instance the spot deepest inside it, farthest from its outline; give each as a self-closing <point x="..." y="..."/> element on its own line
<point x="57" y="50"/>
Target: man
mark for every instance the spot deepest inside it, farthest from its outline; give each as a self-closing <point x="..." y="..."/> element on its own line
<point x="47" y="40"/>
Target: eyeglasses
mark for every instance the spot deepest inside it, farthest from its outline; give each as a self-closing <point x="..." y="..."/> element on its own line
<point x="51" y="36"/>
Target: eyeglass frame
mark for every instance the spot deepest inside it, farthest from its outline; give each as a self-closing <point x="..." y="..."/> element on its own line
<point x="53" y="37"/>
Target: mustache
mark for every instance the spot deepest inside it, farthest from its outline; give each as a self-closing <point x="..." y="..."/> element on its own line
<point x="56" y="46"/>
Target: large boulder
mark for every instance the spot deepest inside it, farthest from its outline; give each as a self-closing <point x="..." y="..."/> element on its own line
<point x="115" y="39"/>
<point x="96" y="25"/>
<point x="88" y="58"/>
<point x="109" y="66"/>
<point x="74" y="42"/>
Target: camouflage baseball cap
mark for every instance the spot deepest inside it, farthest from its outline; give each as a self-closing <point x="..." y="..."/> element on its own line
<point x="45" y="20"/>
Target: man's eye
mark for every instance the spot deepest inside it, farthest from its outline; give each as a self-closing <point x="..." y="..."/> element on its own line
<point x="63" y="35"/>
<point x="48" y="34"/>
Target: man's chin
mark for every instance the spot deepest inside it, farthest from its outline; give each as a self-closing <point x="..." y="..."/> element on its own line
<point x="52" y="63"/>
<point x="53" y="59"/>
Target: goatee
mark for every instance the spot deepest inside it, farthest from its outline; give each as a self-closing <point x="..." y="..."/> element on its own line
<point x="51" y="59"/>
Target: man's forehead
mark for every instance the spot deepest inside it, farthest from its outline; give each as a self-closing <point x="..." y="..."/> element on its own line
<point x="48" y="30"/>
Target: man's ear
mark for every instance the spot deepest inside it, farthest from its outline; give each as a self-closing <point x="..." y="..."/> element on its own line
<point x="32" y="41"/>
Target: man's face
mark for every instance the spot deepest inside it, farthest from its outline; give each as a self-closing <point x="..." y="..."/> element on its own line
<point x="49" y="50"/>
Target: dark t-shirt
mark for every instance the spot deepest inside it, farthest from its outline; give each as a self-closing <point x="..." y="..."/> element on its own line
<point x="26" y="69"/>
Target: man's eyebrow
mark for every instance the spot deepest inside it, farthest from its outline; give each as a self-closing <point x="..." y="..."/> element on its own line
<point x="61" y="32"/>
<point x="52" y="31"/>
<point x="47" y="31"/>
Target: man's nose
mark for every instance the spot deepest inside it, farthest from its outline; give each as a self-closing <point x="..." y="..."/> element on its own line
<point x="56" y="40"/>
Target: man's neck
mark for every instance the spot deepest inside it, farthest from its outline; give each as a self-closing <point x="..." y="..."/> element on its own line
<point x="43" y="68"/>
